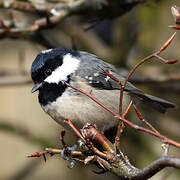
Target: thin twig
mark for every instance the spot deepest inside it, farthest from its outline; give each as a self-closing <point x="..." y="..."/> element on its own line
<point x="123" y="84"/>
<point x="89" y="145"/>
<point x="127" y="109"/>
<point x="112" y="77"/>
<point x="120" y="124"/>
<point x="120" y="129"/>
<point x="143" y="120"/>
<point x="53" y="151"/>
<point x="132" y="125"/>
<point x="175" y="10"/>
<point x="163" y="47"/>
<point x="44" y="22"/>
<point x="63" y="142"/>
<point x="177" y="27"/>
<point x="69" y="122"/>
<point x="166" y="44"/>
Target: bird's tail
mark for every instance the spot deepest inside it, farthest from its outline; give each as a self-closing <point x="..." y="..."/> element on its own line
<point x="156" y="103"/>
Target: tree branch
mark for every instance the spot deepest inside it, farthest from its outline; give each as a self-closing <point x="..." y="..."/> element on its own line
<point x="157" y="165"/>
<point x="55" y="12"/>
<point x="116" y="163"/>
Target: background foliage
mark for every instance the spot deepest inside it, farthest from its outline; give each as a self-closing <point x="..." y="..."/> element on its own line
<point x="25" y="128"/>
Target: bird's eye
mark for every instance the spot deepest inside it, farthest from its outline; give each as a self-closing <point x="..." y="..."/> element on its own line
<point x="48" y="72"/>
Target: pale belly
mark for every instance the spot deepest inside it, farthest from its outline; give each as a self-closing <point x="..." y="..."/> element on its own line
<point x="80" y="109"/>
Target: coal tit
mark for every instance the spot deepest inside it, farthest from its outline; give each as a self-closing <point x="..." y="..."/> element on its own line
<point x="51" y="68"/>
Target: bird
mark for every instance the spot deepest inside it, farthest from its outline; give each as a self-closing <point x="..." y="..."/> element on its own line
<point x="53" y="67"/>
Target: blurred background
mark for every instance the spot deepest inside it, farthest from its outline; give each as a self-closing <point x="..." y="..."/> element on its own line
<point x="122" y="41"/>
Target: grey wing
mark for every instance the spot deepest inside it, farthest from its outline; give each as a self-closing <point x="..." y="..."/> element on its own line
<point x="91" y="70"/>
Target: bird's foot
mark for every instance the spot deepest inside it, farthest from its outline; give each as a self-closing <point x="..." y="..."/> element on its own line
<point x="66" y="152"/>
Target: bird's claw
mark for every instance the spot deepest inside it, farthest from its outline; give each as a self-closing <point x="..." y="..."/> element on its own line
<point x="66" y="154"/>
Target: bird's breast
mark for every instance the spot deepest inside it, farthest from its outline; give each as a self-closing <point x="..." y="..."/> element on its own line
<point x="80" y="109"/>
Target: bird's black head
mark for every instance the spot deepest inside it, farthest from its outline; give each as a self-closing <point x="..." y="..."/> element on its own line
<point x="48" y="61"/>
<point x="51" y="67"/>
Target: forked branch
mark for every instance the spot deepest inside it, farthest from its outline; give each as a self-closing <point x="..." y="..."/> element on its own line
<point x="109" y="160"/>
<point x="123" y="84"/>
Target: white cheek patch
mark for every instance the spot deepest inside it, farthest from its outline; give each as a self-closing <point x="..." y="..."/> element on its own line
<point x="69" y="66"/>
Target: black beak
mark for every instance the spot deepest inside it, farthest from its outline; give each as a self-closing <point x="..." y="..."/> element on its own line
<point x="36" y="87"/>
